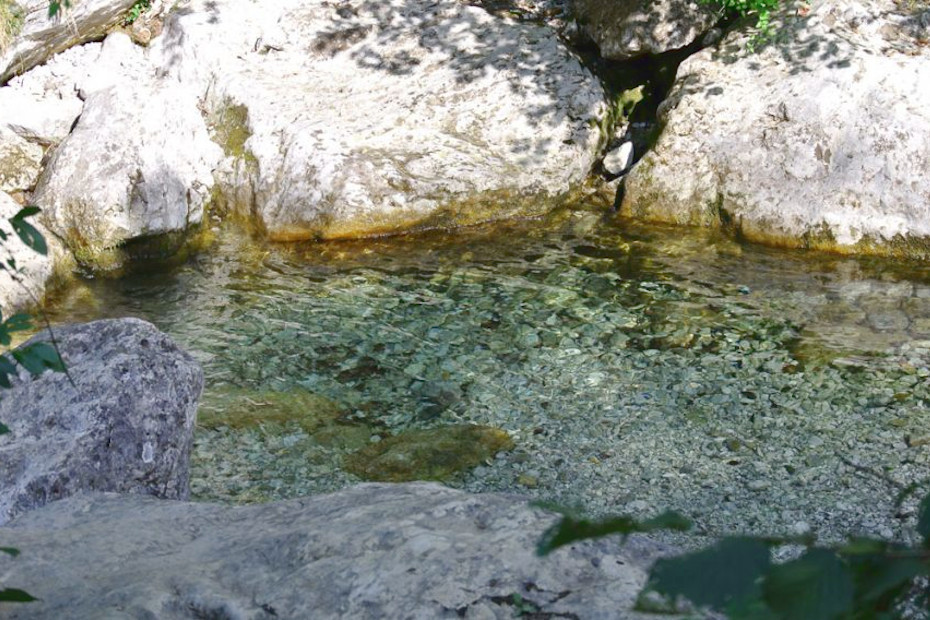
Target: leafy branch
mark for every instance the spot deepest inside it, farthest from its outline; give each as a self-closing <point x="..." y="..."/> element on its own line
<point x="861" y="578"/>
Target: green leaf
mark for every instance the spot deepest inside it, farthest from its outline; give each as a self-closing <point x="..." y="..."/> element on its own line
<point x="6" y="369"/>
<point x="816" y="586"/>
<point x="923" y="520"/>
<point x="18" y="322"/>
<point x="12" y="595"/>
<point x="726" y="574"/>
<point x="879" y="579"/>
<point x="38" y="357"/>
<point x="4" y="429"/>
<point x="9" y="551"/>
<point x="27" y="211"/>
<point x="572" y="529"/>
<point x="29" y="235"/>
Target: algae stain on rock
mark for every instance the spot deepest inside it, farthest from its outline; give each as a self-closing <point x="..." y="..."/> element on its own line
<point x="432" y="454"/>
<point x="241" y="408"/>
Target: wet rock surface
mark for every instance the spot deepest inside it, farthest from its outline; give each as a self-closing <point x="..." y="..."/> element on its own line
<point x="813" y="141"/>
<point x="373" y="551"/>
<point x="125" y="423"/>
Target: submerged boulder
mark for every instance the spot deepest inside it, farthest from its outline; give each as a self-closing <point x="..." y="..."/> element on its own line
<point x="37" y="36"/>
<point x="125" y="423"/>
<point x="372" y="551"/>
<point x="368" y="117"/>
<point x="821" y="139"/>
<point x="428" y="454"/>
<point x="628" y="28"/>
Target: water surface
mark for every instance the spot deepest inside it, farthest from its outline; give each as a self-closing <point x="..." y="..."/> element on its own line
<point x="635" y="368"/>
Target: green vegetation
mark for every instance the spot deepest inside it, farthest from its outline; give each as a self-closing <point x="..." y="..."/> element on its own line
<point x="761" y="10"/>
<point x="35" y="358"/>
<point x="136" y="11"/>
<point x="11" y="20"/>
<point x="862" y="578"/>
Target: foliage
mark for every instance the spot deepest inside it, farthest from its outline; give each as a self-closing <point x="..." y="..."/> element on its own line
<point x="761" y="10"/>
<point x="55" y="6"/>
<point x="36" y="358"/>
<point x="136" y="11"/>
<point x="861" y="578"/>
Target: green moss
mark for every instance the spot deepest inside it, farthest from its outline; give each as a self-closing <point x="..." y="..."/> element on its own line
<point x="241" y="408"/>
<point x="230" y="128"/>
<point x="11" y="22"/>
<point x="433" y="454"/>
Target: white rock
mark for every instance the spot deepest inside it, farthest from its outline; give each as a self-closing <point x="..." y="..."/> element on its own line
<point x="369" y="117"/>
<point x="139" y="162"/>
<point x="619" y="159"/>
<point x="29" y="286"/>
<point x="41" y="37"/>
<point x="626" y="28"/>
<point x="20" y="162"/>
<point x="818" y="141"/>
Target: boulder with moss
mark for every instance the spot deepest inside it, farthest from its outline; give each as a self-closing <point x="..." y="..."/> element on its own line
<point x="139" y="162"/>
<point x="819" y="139"/>
<point x="369" y="117"/>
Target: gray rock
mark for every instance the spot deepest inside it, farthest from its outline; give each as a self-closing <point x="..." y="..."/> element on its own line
<point x="28" y="286"/>
<point x="40" y="37"/>
<point x="368" y="117"/>
<point x="813" y="141"/>
<point x="125" y="424"/>
<point x="626" y="28"/>
<point x="373" y="551"/>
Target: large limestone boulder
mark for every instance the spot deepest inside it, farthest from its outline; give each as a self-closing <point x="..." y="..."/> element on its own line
<point x="625" y="29"/>
<point x="374" y="551"/>
<point x="26" y="286"/>
<point x="39" y="36"/>
<point x="370" y="116"/>
<point x="819" y="140"/>
<point x="138" y="162"/>
<point x="125" y="423"/>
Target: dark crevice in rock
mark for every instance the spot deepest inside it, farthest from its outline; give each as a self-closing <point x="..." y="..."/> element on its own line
<point x="637" y="87"/>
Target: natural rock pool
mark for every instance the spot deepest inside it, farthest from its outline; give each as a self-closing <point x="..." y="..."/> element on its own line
<point x="633" y="368"/>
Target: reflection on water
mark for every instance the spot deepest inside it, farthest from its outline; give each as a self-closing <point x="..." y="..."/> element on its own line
<point x="632" y="366"/>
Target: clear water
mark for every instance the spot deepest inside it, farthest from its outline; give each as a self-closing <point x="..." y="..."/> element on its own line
<point x="632" y="366"/>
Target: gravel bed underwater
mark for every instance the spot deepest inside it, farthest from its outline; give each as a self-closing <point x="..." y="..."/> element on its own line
<point x="633" y="369"/>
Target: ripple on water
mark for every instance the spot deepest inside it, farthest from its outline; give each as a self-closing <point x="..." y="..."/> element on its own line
<point x="634" y="368"/>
